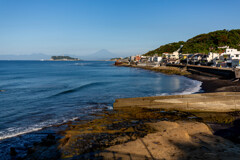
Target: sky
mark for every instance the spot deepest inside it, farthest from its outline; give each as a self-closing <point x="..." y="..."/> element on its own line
<point x="124" y="27"/>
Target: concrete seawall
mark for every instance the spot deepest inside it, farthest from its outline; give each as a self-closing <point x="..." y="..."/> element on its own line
<point x="224" y="72"/>
<point x="206" y="102"/>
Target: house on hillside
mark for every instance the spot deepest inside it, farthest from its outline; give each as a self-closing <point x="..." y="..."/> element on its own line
<point x="155" y="59"/>
<point x="213" y="57"/>
<point x="132" y="58"/>
<point x="166" y="55"/>
<point x="150" y="59"/>
<point x="195" y="58"/>
<point x="176" y="54"/>
<point x="231" y="54"/>
<point x="144" y="59"/>
<point x="231" y="57"/>
<point x="173" y="57"/>
<point x="138" y="58"/>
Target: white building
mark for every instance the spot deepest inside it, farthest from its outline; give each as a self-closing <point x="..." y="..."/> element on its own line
<point x="231" y="54"/>
<point x="166" y="55"/>
<point x="224" y="47"/>
<point x="213" y="56"/>
<point x="157" y="59"/>
<point x="132" y="58"/>
<point x="150" y="59"/>
<point x="175" y="55"/>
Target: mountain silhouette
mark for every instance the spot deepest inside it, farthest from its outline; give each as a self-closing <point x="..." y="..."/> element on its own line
<point x="99" y="55"/>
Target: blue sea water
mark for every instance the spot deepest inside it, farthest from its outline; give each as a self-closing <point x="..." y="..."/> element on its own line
<point x="37" y="94"/>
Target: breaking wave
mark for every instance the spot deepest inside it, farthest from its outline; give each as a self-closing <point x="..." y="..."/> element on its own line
<point x="195" y="89"/>
<point x="79" y="88"/>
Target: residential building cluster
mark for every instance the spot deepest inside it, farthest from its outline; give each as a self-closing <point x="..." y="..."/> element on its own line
<point x="229" y="58"/>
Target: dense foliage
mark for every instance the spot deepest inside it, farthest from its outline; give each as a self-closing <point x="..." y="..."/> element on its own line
<point x="171" y="47"/>
<point x="63" y="58"/>
<point x="203" y="43"/>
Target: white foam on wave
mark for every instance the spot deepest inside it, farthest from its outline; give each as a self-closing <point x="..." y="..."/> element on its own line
<point x="17" y="131"/>
<point x="109" y="107"/>
<point x="72" y="119"/>
<point x="14" y="131"/>
<point x="196" y="88"/>
<point x="6" y="135"/>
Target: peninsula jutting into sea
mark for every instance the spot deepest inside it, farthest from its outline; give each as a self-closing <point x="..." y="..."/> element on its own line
<point x="129" y="80"/>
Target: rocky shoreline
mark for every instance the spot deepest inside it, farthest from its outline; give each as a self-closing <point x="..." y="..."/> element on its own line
<point x="148" y="133"/>
<point x="144" y="134"/>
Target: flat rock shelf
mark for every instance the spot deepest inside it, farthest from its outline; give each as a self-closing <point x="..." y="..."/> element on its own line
<point x="205" y="102"/>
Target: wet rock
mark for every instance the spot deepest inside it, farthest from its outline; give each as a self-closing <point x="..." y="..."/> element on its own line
<point x="50" y="137"/>
<point x="13" y="151"/>
<point x="112" y="128"/>
<point x="30" y="150"/>
<point x="134" y="121"/>
<point x="49" y="140"/>
<point x="44" y="153"/>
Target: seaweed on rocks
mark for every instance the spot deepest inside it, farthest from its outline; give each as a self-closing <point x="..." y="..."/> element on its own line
<point x="112" y="128"/>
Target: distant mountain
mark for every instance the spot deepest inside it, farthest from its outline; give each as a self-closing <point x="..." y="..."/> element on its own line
<point x="99" y="55"/>
<point x="35" y="56"/>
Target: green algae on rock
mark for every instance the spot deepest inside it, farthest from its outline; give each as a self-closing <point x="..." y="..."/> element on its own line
<point x="113" y="128"/>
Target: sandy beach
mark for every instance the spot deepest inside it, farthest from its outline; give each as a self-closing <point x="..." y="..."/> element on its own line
<point x="216" y="84"/>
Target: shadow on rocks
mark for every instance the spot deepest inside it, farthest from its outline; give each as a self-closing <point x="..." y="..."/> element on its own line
<point x="231" y="133"/>
<point x="207" y="147"/>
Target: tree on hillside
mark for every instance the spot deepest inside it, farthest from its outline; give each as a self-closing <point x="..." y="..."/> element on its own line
<point x="203" y="43"/>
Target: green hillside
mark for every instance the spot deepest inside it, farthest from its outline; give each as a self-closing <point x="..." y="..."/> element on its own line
<point x="203" y="43"/>
<point x="171" y="47"/>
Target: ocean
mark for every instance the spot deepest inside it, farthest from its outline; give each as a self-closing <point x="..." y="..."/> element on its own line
<point x="39" y="94"/>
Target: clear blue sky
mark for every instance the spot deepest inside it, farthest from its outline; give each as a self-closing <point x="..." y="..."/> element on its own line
<point x="121" y="26"/>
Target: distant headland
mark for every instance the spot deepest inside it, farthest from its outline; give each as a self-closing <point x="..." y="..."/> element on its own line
<point x="63" y="58"/>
